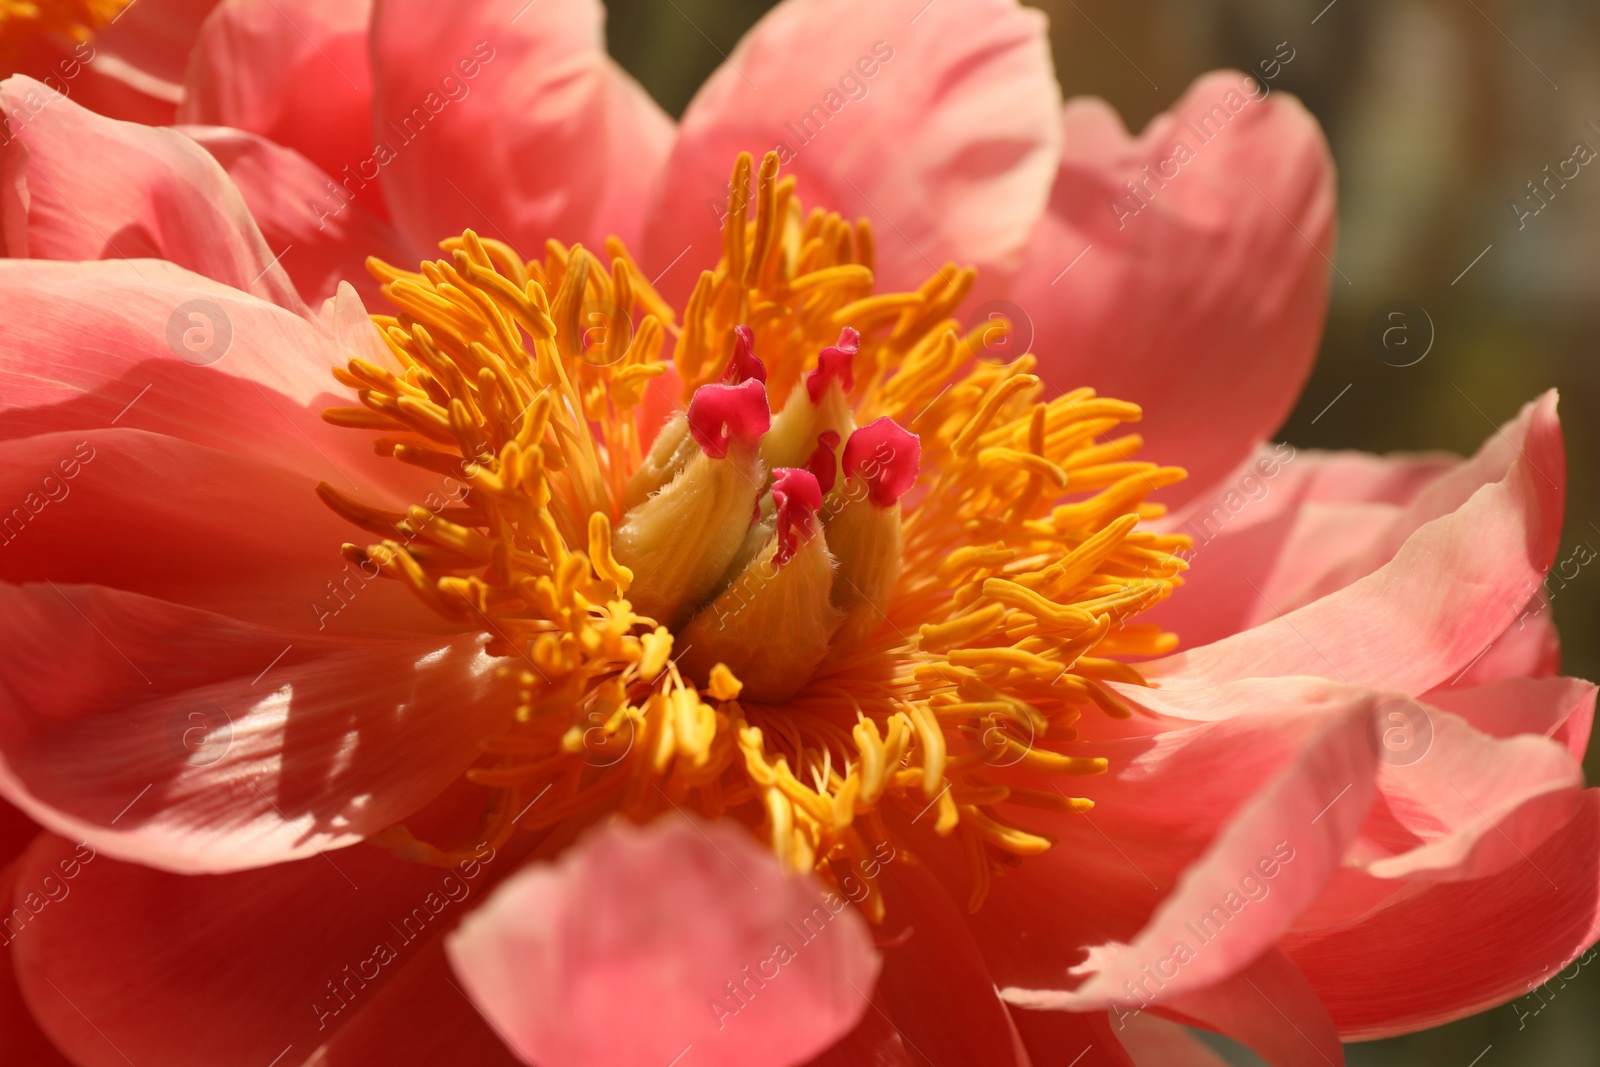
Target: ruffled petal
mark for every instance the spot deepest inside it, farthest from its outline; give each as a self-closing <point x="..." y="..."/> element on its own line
<point x="524" y="129"/>
<point x="81" y="186"/>
<point x="326" y="234"/>
<point x="1205" y="305"/>
<point x="294" y="71"/>
<point x="149" y="346"/>
<point x="693" y="926"/>
<point x="1453" y="588"/>
<point x="331" y="933"/>
<point x="938" y="122"/>
<point x="1461" y="947"/>
<point x="193" y="742"/>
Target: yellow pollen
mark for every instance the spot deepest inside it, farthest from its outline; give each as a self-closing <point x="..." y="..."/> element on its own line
<point x="688" y="628"/>
<point x="25" y="24"/>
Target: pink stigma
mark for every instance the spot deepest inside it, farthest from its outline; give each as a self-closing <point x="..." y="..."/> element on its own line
<point x="719" y="414"/>
<point x="744" y="365"/>
<point x="836" y="363"/>
<point x="822" y="463"/>
<point x="887" y="457"/>
<point x="797" y="499"/>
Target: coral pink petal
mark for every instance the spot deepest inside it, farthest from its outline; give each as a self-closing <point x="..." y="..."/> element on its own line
<point x="1206" y="306"/>
<point x="1561" y="709"/>
<point x="1383" y="976"/>
<point x="21" y="1040"/>
<point x="148" y="346"/>
<point x="327" y="235"/>
<point x="1269" y="862"/>
<point x="662" y="919"/>
<point x="1056" y="1036"/>
<point x="1269" y="1006"/>
<point x="1422" y="618"/>
<point x="81" y="186"/>
<point x="87" y="502"/>
<point x="1280" y="516"/>
<point x="187" y="740"/>
<point x="471" y="95"/>
<point x="940" y="123"/>
<point x="421" y="1019"/>
<point x="201" y="946"/>
<point x="295" y="72"/>
<point x="954" y="1019"/>
<point x="137" y="63"/>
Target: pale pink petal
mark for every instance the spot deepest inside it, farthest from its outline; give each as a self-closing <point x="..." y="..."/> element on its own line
<point x="1205" y="306"/>
<point x="202" y="946"/>
<point x="325" y="233"/>
<point x="81" y="186"/>
<point x="1270" y="1007"/>
<point x="1225" y="911"/>
<point x="294" y="71"/>
<point x="1558" y="708"/>
<point x="665" y="919"/>
<point x="510" y="119"/>
<point x="1420" y="619"/>
<point x="193" y="742"/>
<point x="145" y="345"/>
<point x="948" y="147"/>
<point x="1408" y="967"/>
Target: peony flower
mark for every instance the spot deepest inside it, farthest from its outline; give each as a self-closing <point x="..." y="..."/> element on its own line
<point x="559" y="731"/>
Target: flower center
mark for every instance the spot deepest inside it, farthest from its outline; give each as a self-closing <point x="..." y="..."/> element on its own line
<point x="859" y="567"/>
<point x="23" y="23"/>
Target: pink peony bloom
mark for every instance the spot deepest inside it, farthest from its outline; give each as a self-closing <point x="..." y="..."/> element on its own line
<point x="293" y="809"/>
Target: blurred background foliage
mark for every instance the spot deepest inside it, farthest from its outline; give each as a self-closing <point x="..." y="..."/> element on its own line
<point x="1438" y="112"/>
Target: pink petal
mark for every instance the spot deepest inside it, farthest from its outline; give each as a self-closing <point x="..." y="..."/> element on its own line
<point x="17" y="831"/>
<point x="1420" y="619"/>
<point x="1558" y="708"/>
<point x="953" y="1018"/>
<point x="203" y="946"/>
<point x="1281" y="515"/>
<point x="664" y="919"/>
<point x="188" y="515"/>
<point x="1270" y="1007"/>
<point x="145" y="345"/>
<point x="1154" y="1042"/>
<point x="1461" y="947"/>
<point x="949" y="147"/>
<point x="1057" y="1036"/>
<point x="80" y="186"/>
<point x="1298" y="826"/>
<point x="524" y="130"/>
<point x="294" y="72"/>
<point x="193" y="742"/>
<point x="1211" y="298"/>
<point x="133" y="68"/>
<point x="327" y="233"/>
<point x="21" y="1040"/>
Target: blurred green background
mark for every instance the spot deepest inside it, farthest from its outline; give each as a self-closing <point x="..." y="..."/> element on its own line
<point x="1439" y="112"/>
